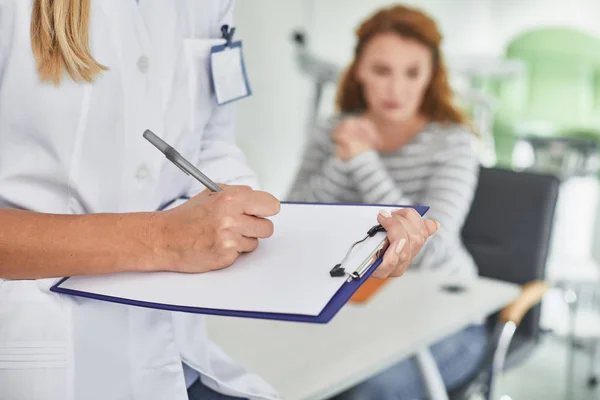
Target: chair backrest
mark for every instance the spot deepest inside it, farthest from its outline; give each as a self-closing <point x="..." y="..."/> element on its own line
<point x="508" y="230"/>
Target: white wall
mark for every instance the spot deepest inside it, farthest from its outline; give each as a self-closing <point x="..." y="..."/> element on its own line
<point x="270" y="123"/>
<point x="336" y="21"/>
<point x="514" y="16"/>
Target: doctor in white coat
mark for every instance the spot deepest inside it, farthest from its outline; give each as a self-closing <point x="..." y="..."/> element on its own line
<point x="81" y="192"/>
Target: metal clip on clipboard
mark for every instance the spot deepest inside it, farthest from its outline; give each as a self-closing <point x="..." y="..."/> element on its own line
<point x="339" y="271"/>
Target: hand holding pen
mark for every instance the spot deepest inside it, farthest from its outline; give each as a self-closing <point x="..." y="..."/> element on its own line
<point x="213" y="228"/>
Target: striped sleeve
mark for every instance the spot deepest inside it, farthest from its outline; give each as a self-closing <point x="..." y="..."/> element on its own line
<point x="373" y="181"/>
<point x="449" y="195"/>
<point x="322" y="176"/>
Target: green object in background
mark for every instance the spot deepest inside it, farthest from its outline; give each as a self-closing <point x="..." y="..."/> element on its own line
<point x="559" y="93"/>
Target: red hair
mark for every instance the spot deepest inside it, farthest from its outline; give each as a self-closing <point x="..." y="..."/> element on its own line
<point x="410" y="23"/>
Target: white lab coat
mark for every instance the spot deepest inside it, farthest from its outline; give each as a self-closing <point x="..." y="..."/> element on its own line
<point x="78" y="148"/>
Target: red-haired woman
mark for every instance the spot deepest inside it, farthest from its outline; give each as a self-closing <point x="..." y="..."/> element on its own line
<point x="398" y="139"/>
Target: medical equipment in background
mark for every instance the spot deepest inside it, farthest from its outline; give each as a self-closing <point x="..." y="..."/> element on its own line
<point x="322" y="72"/>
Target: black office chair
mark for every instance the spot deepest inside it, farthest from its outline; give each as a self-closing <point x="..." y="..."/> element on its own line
<point x="508" y="233"/>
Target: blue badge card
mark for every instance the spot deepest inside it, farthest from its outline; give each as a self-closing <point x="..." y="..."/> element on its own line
<point x="228" y="72"/>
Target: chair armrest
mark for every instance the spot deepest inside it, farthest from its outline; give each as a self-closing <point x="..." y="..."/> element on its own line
<point x="510" y="317"/>
<point x="531" y="295"/>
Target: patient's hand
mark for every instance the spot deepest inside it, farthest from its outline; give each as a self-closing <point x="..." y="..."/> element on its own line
<point x="407" y="233"/>
<point x="354" y="136"/>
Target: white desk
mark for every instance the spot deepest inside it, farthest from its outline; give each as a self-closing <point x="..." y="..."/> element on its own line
<point x="305" y="361"/>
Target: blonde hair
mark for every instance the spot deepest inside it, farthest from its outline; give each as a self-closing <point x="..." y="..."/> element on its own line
<point x="59" y="40"/>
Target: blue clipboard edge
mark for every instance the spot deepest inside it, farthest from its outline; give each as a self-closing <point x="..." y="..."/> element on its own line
<point x="329" y="311"/>
<point x="420" y="209"/>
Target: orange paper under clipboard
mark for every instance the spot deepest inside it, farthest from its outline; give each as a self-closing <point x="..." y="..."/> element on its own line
<point x="368" y="290"/>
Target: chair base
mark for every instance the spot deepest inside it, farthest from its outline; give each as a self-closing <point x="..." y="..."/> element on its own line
<point x="521" y="348"/>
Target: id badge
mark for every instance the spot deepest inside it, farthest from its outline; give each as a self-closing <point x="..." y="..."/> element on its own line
<point x="228" y="72"/>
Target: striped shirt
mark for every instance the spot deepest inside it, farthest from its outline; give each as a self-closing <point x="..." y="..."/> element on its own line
<point x="438" y="168"/>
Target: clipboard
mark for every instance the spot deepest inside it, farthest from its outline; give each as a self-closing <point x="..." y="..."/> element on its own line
<point x="249" y="290"/>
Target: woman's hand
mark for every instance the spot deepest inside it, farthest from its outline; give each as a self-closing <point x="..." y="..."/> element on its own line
<point x="354" y="136"/>
<point x="407" y="233"/>
<point x="212" y="229"/>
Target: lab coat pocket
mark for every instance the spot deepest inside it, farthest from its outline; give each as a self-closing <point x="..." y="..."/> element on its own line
<point x="200" y="91"/>
<point x="33" y="350"/>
